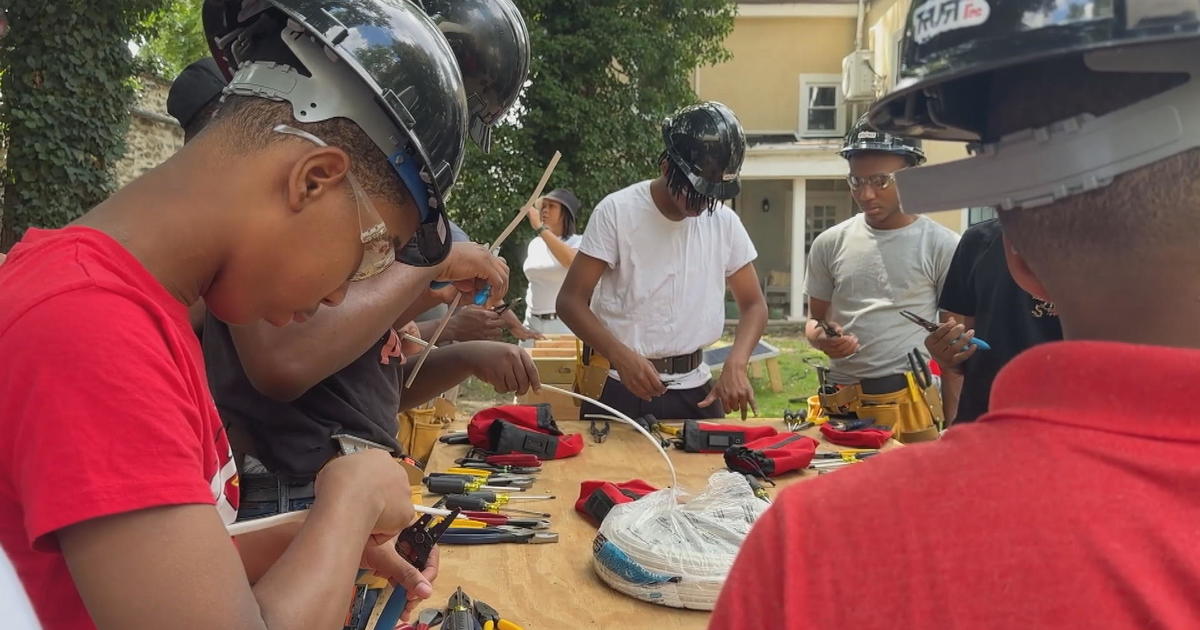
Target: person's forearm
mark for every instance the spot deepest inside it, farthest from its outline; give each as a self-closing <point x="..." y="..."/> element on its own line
<point x="285" y="362"/>
<point x="414" y="310"/>
<point x="259" y="550"/>
<point x="565" y="254"/>
<point x="952" y="382"/>
<point x="751" y="324"/>
<point x="443" y="369"/>
<point x="320" y="565"/>
<point x="578" y="316"/>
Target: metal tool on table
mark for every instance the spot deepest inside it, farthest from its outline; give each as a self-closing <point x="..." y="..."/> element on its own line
<point x="500" y="498"/>
<point x="491" y="518"/>
<point x="429" y="619"/>
<point x="462" y="485"/>
<point x="480" y="456"/>
<point x="464" y="502"/>
<point x="508" y="481"/>
<point x="932" y="327"/>
<point x="796" y="420"/>
<point x="460" y="614"/>
<point x="497" y="534"/>
<point x="599" y="433"/>
<point x="455" y="437"/>
<point x="490" y="619"/>
<point x="756" y="486"/>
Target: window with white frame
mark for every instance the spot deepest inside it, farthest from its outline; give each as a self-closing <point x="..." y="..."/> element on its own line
<point x="822" y="109"/>
<point x="979" y="215"/>
<point x="820" y="218"/>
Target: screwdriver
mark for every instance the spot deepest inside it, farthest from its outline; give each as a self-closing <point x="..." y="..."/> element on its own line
<point x="458" y="485"/>
<point x="459" y="613"/>
<point x="504" y="519"/>
<point x="500" y="498"/>
<point x="514" y="481"/>
<point x="464" y="502"/>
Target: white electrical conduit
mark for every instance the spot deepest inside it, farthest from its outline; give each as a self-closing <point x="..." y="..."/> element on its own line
<point x="626" y="419"/>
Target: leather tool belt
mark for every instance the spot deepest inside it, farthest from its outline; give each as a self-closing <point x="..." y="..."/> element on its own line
<point x="897" y="401"/>
<point x="681" y="364"/>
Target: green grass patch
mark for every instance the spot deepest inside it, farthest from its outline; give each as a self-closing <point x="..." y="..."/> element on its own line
<point x="799" y="379"/>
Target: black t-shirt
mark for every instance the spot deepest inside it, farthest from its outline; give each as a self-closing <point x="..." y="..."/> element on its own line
<point x="1008" y="318"/>
<point x="294" y="439"/>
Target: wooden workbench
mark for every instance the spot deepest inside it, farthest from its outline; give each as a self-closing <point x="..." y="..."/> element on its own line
<point x="552" y="586"/>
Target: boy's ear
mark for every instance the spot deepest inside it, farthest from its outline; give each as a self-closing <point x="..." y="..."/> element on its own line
<point x="315" y="174"/>
<point x="1022" y="274"/>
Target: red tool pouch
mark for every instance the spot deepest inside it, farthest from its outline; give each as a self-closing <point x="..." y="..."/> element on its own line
<point x="863" y="438"/>
<point x="772" y="456"/>
<point x="522" y="429"/>
<point x="597" y="498"/>
<point x="707" y="437"/>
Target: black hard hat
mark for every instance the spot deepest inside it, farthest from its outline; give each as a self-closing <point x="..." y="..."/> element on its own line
<point x="380" y="63"/>
<point x="491" y="43"/>
<point x="706" y="143"/>
<point x="566" y="199"/>
<point x="955" y="51"/>
<point x="863" y="137"/>
<point x="951" y="48"/>
<point x="194" y="89"/>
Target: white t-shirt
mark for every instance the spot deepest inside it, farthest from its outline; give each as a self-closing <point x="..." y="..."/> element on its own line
<point x="869" y="276"/>
<point x="545" y="274"/>
<point x="663" y="293"/>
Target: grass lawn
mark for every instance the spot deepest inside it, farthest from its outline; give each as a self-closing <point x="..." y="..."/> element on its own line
<point x="799" y="381"/>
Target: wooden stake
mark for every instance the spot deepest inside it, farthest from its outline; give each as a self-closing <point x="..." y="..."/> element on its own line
<point x="437" y="334"/>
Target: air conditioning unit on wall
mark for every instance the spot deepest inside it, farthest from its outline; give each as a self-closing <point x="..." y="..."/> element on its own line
<point x="858" y="78"/>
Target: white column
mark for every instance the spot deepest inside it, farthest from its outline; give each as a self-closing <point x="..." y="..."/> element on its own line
<point x="799" y="215"/>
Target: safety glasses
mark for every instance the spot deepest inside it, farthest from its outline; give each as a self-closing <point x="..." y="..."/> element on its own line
<point x="379" y="252"/>
<point x="878" y="181"/>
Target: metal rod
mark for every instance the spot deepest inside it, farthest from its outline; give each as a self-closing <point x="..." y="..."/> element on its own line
<point x="537" y="192"/>
<point x="437" y="334"/>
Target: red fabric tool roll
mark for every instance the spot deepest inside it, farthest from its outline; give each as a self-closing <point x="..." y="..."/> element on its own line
<point x="597" y="498"/>
<point x="522" y="429"/>
<point x="709" y="437"/>
<point x="864" y="438"/>
<point x="772" y="456"/>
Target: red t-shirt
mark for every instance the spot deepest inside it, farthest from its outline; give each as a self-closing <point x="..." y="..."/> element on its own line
<point x="1075" y="503"/>
<point x="104" y="405"/>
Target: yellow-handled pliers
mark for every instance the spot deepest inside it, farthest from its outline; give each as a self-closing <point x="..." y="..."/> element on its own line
<point x="490" y="619"/>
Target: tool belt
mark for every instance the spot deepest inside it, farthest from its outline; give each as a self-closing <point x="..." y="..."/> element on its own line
<point x="266" y="494"/>
<point x="909" y="403"/>
<point x="680" y="364"/>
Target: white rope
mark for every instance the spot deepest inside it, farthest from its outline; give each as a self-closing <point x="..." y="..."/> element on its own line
<point x="626" y="419"/>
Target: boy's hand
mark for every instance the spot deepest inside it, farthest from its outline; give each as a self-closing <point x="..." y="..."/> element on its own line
<point x="950" y="344"/>
<point x="372" y="473"/>
<point x="387" y="563"/>
<point x="835" y="347"/>
<point x="639" y="376"/>
<point x="504" y="366"/>
<point x="471" y="323"/>
<point x="470" y="266"/>
<point x="734" y="391"/>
